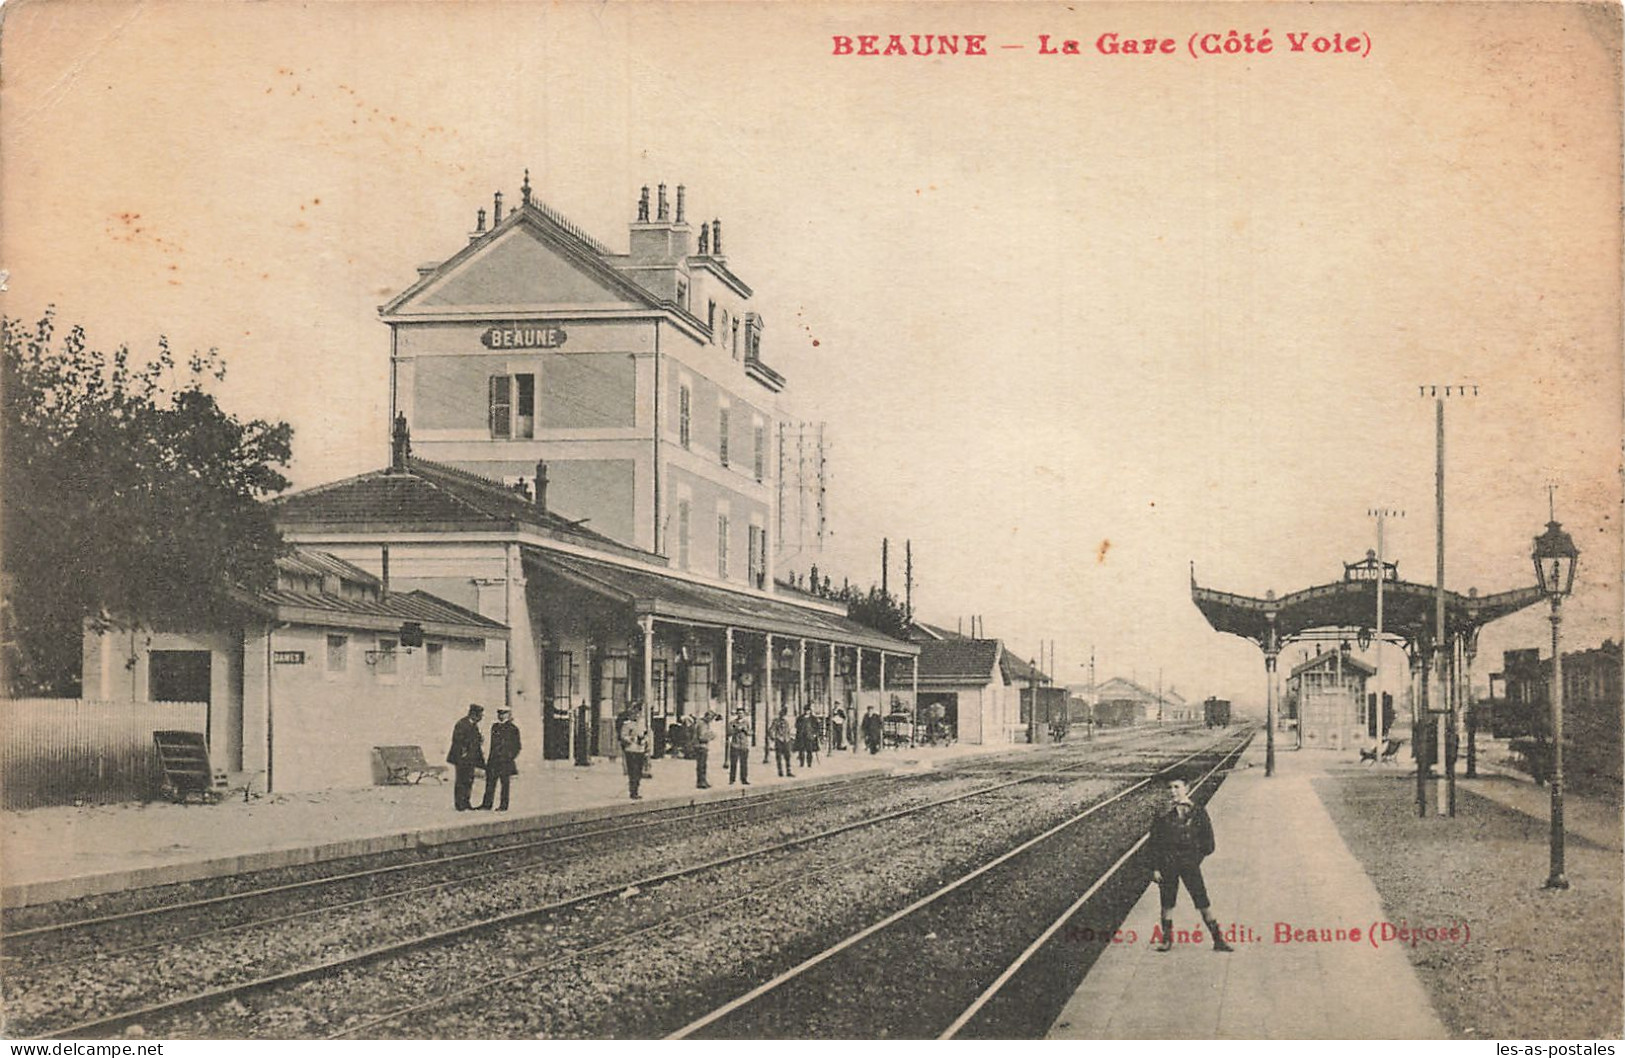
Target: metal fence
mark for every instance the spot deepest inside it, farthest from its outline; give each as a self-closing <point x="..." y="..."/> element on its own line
<point x="56" y="751"/>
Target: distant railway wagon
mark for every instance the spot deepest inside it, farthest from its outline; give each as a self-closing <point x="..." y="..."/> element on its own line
<point x="1116" y="713"/>
<point x="1216" y="712"/>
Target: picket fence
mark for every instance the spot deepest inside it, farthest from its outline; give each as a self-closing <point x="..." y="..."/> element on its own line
<point x="57" y="751"/>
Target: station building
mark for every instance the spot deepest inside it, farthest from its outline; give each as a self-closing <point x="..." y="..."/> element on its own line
<point x="638" y="377"/>
<point x="583" y="451"/>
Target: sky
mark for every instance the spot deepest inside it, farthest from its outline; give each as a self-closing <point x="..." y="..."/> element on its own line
<point x="1076" y="323"/>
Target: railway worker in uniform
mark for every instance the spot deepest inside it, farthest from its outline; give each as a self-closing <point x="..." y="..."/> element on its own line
<point x="467" y="754"/>
<point x="699" y="744"/>
<point x="635" y="748"/>
<point x="1181" y="838"/>
<point x="778" y="732"/>
<point x="874" y="729"/>
<point x="739" y="748"/>
<point x="806" y="737"/>
<point x="499" y="763"/>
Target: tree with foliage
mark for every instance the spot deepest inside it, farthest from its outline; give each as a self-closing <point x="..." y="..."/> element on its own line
<point x="126" y="494"/>
<point x="880" y="610"/>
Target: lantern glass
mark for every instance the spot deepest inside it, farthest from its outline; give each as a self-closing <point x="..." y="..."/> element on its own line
<point x="1555" y="557"/>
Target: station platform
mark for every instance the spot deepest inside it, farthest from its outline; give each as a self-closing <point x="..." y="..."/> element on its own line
<point x="60" y="853"/>
<point x="1279" y="859"/>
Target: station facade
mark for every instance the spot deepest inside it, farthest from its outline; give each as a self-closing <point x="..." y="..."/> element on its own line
<point x="637" y="377"/>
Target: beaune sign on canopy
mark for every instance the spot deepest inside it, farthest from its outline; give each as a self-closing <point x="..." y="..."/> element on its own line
<point x="520" y="336"/>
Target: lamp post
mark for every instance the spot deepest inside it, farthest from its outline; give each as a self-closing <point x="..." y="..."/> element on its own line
<point x="1032" y="702"/>
<point x="1555" y="557"/>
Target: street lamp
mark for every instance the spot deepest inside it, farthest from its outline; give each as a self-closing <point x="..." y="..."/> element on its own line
<point x="1555" y="557"/>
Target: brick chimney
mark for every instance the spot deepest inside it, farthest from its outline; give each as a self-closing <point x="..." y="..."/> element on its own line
<point x="400" y="446"/>
<point x="541" y="485"/>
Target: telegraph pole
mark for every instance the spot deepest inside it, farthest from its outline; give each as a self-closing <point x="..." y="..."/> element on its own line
<point x="1381" y="514"/>
<point x="1439" y="682"/>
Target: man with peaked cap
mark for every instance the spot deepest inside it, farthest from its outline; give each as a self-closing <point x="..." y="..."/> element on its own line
<point x="499" y="763"/>
<point x="467" y="754"/>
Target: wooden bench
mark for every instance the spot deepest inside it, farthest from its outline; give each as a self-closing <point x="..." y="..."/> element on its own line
<point x="404" y="765"/>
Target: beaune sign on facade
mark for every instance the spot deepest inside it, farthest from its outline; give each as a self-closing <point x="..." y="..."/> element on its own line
<point x="523" y="336"/>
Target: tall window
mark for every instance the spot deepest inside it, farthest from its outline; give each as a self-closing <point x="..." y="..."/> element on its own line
<point x="682" y="534"/>
<point x="524" y="412"/>
<point x="338" y="653"/>
<point x="722" y="546"/>
<point x="760" y="453"/>
<point x="684" y="401"/>
<point x="385" y="659"/>
<point x="735" y="339"/>
<point x="562" y="684"/>
<point x="722" y="436"/>
<point x="615" y="681"/>
<point x="512" y="401"/>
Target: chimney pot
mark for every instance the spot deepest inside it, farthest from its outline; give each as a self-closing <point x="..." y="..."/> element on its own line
<point x="400" y="448"/>
<point x="496" y="210"/>
<point x="663" y="210"/>
<point x="705" y="239"/>
<point x="480" y="223"/>
<point x="716" y="237"/>
<point x="524" y="189"/>
<point x="643" y="205"/>
<point x="680" y="203"/>
<point x="541" y="485"/>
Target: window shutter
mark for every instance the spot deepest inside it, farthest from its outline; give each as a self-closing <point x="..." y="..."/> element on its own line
<point x="501" y="406"/>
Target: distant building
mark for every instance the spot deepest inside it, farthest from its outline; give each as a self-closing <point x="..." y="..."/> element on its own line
<point x="986" y="689"/>
<point x="1327" y="695"/>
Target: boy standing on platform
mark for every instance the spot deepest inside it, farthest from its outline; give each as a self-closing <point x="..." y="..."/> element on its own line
<point x="1181" y="838"/>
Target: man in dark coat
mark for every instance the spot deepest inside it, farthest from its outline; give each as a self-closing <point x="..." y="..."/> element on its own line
<point x="874" y="729"/>
<point x="499" y="763"/>
<point x="467" y="754"/>
<point x="1181" y="838"/>
<point x="807" y="737"/>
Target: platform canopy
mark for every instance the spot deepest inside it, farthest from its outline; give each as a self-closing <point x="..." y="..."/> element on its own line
<point x="1408" y="610"/>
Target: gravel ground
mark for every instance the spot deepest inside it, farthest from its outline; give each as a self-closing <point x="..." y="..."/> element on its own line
<point x="484" y="860"/>
<point x="575" y="988"/>
<point x="34" y="916"/>
<point x="1539" y="963"/>
<point x="578" y="997"/>
<point x="56" y="993"/>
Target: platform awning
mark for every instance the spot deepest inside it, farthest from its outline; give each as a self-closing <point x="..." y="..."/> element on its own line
<point x="650" y="593"/>
<point x="1408" y="610"/>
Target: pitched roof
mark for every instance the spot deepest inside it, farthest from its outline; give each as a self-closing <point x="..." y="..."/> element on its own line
<point x="582" y="249"/>
<point x="1328" y="658"/>
<point x="1014" y="668"/>
<point x="429" y="496"/>
<point x="957" y="661"/>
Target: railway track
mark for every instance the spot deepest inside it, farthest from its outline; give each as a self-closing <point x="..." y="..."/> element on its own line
<point x="954" y="941"/>
<point x="232" y="993"/>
